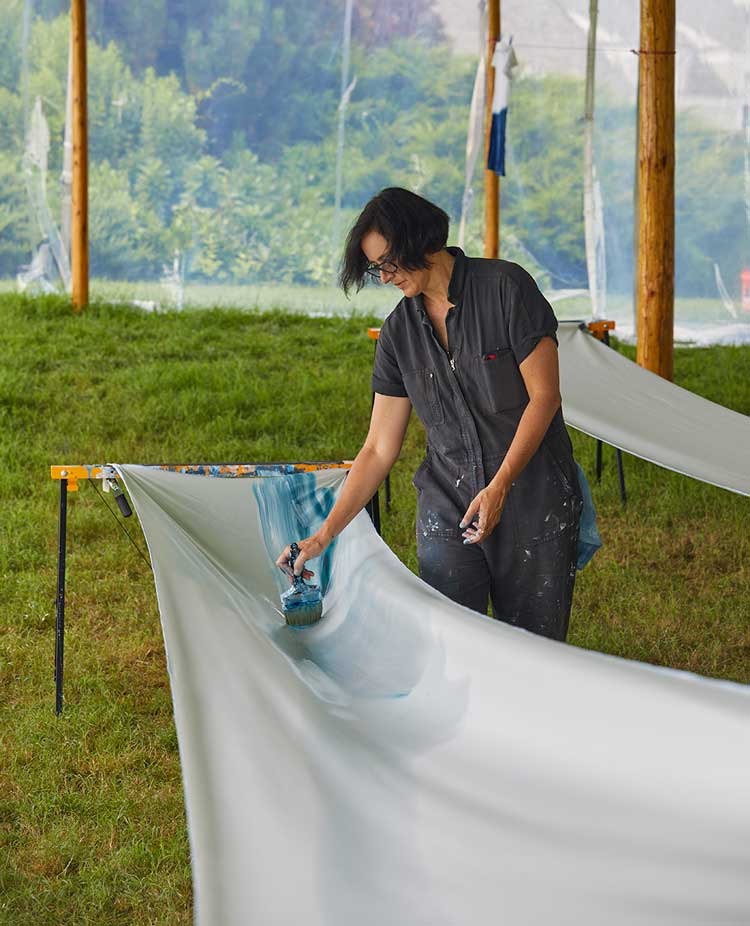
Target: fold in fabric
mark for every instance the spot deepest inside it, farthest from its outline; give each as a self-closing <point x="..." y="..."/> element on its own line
<point x="610" y="397"/>
<point x="407" y="761"/>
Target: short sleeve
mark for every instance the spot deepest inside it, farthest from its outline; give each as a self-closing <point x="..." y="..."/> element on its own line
<point x="530" y="317"/>
<point x="386" y="374"/>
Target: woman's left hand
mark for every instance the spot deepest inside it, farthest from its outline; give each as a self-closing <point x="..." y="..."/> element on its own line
<point x="483" y="514"/>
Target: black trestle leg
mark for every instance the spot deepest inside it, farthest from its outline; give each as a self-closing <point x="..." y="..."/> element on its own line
<point x="621" y="474"/>
<point x="373" y="509"/>
<point x="60" y="600"/>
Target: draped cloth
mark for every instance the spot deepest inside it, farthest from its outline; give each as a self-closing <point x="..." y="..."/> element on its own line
<point x="608" y="396"/>
<point x="407" y="761"/>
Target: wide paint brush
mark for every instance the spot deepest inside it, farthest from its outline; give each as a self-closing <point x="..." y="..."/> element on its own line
<point x="302" y="604"/>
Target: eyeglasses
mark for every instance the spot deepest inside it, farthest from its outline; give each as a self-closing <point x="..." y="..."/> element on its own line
<point x="374" y="270"/>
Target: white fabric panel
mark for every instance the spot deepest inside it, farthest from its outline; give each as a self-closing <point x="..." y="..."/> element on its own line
<point x="407" y="761"/>
<point x="610" y="397"/>
<point x="503" y="61"/>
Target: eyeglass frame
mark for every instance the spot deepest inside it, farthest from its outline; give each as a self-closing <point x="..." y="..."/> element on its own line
<point x="374" y="270"/>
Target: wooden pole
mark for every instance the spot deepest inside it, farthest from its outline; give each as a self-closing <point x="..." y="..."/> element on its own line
<point x="655" y="350"/>
<point x="79" y="244"/>
<point x="589" y="208"/>
<point x="491" y="180"/>
<point x="636" y="206"/>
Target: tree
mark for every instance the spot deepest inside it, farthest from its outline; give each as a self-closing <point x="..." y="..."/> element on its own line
<point x="15" y="231"/>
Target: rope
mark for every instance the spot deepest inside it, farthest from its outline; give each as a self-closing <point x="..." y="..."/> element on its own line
<point x="120" y="525"/>
<point x="649" y="51"/>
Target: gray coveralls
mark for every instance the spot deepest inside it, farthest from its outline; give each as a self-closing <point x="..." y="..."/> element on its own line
<point x="470" y="400"/>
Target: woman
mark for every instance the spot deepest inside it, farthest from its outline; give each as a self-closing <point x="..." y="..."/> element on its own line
<point x="472" y="347"/>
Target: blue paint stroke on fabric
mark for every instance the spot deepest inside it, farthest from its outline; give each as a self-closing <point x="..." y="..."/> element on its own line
<point x="275" y="469"/>
<point x="293" y="507"/>
<point x="367" y="655"/>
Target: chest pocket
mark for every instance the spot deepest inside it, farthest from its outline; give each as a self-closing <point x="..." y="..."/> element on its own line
<point x="422" y="388"/>
<point x="497" y="381"/>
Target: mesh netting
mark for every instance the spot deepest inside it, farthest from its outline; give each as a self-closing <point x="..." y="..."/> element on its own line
<point x="231" y="146"/>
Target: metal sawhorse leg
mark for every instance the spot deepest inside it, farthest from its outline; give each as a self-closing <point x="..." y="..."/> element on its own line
<point x="373" y="334"/>
<point x="600" y="329"/>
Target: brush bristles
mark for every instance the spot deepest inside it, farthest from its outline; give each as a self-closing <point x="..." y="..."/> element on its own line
<point x="302" y="615"/>
<point x="302" y="603"/>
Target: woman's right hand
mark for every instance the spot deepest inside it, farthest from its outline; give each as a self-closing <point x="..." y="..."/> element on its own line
<point x="309" y="548"/>
<point x="390" y="417"/>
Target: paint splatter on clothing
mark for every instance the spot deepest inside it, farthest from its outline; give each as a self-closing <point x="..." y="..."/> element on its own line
<point x="470" y="399"/>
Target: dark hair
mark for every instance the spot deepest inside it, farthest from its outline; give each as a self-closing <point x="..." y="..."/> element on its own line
<point x="413" y="227"/>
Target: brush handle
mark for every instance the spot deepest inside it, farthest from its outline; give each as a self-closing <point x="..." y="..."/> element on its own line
<point x="294" y="552"/>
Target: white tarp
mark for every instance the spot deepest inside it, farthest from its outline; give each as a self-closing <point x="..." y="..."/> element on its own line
<point x="409" y="762"/>
<point x="608" y="396"/>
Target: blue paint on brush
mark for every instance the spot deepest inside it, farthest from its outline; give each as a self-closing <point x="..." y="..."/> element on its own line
<point x="302" y="603"/>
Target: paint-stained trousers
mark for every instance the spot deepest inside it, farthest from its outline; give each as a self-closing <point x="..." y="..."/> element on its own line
<point x="528" y="573"/>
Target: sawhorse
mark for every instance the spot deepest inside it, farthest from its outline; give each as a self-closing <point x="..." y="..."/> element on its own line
<point x="69" y="476"/>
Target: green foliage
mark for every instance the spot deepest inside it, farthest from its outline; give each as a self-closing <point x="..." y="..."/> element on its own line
<point x="48" y="77"/>
<point x="544" y="189"/>
<point x="219" y="46"/>
<point x="11" y="27"/>
<point x="115" y="225"/>
<point x="11" y="121"/>
<point x="14" y="216"/>
<point x="406" y="124"/>
<point x="710" y="218"/>
<point x="168" y="129"/>
<point x="216" y="126"/>
<point x="114" y="106"/>
<point x="615" y="144"/>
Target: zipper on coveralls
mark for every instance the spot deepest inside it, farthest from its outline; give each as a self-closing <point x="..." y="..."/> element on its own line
<point x="452" y="363"/>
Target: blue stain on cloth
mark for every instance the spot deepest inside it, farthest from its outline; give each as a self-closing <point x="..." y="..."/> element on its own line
<point x="293" y="507"/>
<point x="589" y="538"/>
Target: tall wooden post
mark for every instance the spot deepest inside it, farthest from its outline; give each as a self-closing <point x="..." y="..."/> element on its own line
<point x="79" y="245"/>
<point x="589" y="200"/>
<point x="655" y="350"/>
<point x="491" y="180"/>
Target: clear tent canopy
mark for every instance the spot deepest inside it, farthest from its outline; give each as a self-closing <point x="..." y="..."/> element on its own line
<point x="232" y="145"/>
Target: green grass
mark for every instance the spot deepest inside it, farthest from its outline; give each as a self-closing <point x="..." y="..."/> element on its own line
<point x="92" y="824"/>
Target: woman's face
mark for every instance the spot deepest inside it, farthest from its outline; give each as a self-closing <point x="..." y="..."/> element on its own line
<point x="410" y="282"/>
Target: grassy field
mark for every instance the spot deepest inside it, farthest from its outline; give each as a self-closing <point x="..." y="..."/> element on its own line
<point x="92" y="824"/>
